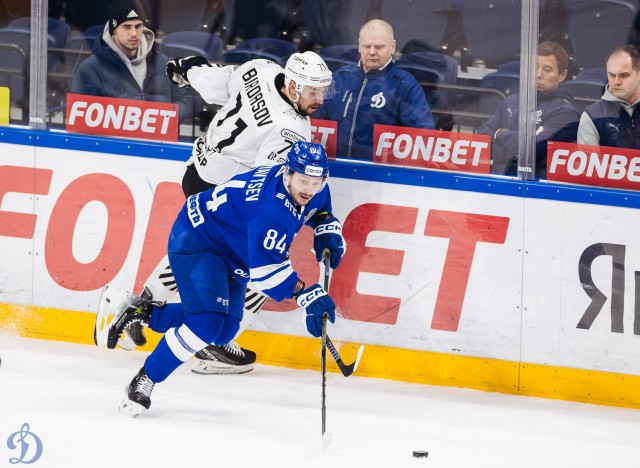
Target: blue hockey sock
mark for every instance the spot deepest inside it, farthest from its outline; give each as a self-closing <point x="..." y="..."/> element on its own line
<point x="161" y="362"/>
<point x="179" y="344"/>
<point x="166" y="317"/>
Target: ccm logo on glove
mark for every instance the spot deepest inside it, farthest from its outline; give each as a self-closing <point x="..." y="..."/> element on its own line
<point x="305" y="298"/>
<point x="323" y="228"/>
<point x="328" y="236"/>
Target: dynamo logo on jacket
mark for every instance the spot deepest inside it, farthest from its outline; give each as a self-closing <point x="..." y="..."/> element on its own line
<point x="378" y="100"/>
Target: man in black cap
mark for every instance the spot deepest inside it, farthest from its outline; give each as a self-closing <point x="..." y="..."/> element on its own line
<point x="125" y="63"/>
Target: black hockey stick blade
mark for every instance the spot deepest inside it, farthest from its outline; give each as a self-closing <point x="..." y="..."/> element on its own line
<point x="346" y="369"/>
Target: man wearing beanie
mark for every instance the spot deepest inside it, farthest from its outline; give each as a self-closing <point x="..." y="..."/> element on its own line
<point x="125" y="63"/>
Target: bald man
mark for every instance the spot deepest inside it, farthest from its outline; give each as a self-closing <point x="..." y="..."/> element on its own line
<point x="374" y="91"/>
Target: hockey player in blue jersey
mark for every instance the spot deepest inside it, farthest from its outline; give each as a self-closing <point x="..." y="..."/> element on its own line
<point x="223" y="238"/>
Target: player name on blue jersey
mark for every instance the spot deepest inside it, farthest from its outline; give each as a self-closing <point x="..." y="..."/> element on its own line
<point x="255" y="184"/>
<point x="250" y="222"/>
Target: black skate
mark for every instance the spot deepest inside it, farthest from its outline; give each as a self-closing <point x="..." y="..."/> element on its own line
<point x="227" y="359"/>
<point x="137" y="395"/>
<point x="117" y="313"/>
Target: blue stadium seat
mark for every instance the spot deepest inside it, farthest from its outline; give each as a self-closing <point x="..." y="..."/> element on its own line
<point x="249" y="19"/>
<point x="596" y="27"/>
<point x="336" y="22"/>
<point x="183" y="43"/>
<point x="492" y="28"/>
<point x="336" y="56"/>
<point x="57" y="29"/>
<point x="79" y="47"/>
<point x="432" y="68"/>
<point x="14" y="64"/>
<point x="506" y="82"/>
<point x="167" y="16"/>
<point x="403" y="16"/>
<point x="270" y="48"/>
<point x="587" y="87"/>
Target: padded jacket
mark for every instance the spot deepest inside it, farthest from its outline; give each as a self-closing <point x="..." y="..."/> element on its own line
<point x="388" y="96"/>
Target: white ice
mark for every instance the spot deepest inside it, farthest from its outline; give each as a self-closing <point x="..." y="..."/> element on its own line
<point x="271" y="417"/>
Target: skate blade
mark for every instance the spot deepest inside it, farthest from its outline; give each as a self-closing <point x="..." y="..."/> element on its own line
<point x="203" y="367"/>
<point x="131" y="408"/>
<point x="104" y="318"/>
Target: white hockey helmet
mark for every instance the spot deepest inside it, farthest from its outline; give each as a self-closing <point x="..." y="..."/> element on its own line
<point x="308" y="69"/>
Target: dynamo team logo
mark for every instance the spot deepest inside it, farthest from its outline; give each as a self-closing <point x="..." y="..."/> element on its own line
<point x="378" y="100"/>
<point x="28" y="444"/>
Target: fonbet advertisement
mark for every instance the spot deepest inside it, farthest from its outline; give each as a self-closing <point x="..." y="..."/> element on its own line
<point x="442" y="270"/>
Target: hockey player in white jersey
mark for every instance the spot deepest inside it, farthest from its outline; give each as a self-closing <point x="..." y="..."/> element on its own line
<point x="264" y="110"/>
<point x="237" y="232"/>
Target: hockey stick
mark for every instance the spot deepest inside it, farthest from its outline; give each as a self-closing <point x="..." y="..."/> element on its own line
<point x="346" y="369"/>
<point x="326" y="440"/>
<point x="325" y="339"/>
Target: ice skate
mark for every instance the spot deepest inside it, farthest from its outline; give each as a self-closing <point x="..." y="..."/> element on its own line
<point x="117" y="313"/>
<point x="133" y="336"/>
<point x="137" y="395"/>
<point x="227" y="359"/>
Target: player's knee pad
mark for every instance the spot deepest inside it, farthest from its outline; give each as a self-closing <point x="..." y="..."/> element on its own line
<point x="206" y="325"/>
<point x="229" y="329"/>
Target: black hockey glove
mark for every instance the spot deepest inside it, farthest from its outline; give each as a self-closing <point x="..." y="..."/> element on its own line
<point x="178" y="67"/>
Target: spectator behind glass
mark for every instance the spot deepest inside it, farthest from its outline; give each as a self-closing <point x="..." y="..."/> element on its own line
<point x="373" y="91"/>
<point x="125" y="62"/>
<point x="615" y="119"/>
<point x="556" y="116"/>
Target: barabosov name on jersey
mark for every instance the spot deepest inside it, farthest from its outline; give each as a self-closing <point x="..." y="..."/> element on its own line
<point x="256" y="98"/>
<point x="255" y="126"/>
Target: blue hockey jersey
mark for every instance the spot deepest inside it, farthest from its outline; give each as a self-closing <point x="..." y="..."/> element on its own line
<point x="250" y="222"/>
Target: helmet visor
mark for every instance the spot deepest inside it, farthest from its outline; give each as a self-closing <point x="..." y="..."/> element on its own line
<point x="312" y="92"/>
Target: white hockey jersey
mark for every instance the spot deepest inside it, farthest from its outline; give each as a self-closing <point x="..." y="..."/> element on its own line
<point x="256" y="125"/>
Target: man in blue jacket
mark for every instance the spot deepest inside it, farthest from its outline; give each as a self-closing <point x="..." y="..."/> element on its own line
<point x="125" y="62"/>
<point x="556" y="116"/>
<point x="374" y="91"/>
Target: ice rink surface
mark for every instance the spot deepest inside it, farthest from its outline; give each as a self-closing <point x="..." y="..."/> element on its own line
<point x="271" y="417"/>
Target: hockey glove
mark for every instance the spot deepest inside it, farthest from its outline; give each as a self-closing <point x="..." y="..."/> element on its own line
<point x="178" y="67"/>
<point x="328" y="235"/>
<point x="316" y="303"/>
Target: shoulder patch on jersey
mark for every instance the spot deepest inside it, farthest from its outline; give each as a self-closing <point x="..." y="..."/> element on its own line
<point x="310" y="214"/>
<point x="291" y="135"/>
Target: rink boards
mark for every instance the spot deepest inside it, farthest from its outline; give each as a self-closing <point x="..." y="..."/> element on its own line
<point x="449" y="279"/>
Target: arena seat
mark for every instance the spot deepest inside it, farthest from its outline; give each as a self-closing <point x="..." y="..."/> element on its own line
<point x="183" y="43"/>
<point x="596" y="27"/>
<point x="277" y="50"/>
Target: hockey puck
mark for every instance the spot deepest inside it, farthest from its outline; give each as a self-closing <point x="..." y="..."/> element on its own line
<point x="420" y="454"/>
